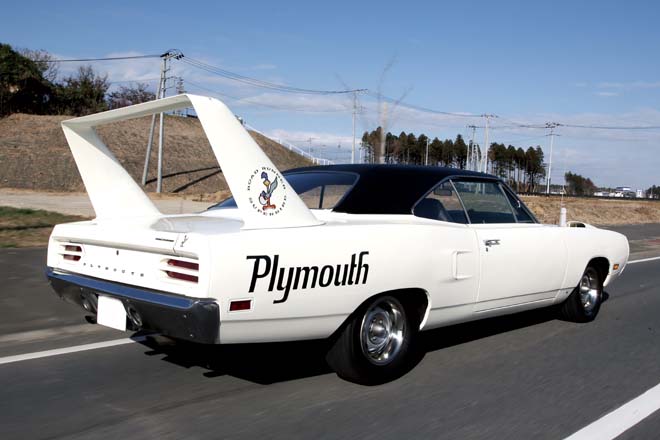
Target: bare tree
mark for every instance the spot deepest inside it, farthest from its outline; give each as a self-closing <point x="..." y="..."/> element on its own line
<point x="45" y="62"/>
<point x="129" y="95"/>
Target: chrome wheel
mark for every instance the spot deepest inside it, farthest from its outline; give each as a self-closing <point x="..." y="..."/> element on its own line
<point x="589" y="291"/>
<point x="382" y="331"/>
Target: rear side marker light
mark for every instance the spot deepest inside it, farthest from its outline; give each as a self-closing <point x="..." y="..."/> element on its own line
<point x="615" y="267"/>
<point x="244" y="304"/>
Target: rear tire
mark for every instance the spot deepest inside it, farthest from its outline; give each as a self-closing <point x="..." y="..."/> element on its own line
<point x="584" y="302"/>
<point x="376" y="343"/>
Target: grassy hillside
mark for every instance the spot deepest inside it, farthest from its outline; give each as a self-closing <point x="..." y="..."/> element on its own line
<point x="34" y="154"/>
<point x="595" y="211"/>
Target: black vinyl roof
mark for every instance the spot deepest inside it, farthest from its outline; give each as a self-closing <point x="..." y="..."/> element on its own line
<point x="388" y="189"/>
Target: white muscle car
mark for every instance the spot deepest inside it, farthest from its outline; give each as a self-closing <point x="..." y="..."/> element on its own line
<point x="364" y="255"/>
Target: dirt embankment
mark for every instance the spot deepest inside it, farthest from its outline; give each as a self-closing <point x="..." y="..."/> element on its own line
<point x="595" y="211"/>
<point x="34" y="154"/>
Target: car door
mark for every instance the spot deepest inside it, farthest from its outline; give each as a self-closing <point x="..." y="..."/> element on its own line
<point x="520" y="262"/>
<point x="453" y="256"/>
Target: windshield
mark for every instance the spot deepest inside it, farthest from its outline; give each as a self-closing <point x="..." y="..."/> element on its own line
<point x="318" y="189"/>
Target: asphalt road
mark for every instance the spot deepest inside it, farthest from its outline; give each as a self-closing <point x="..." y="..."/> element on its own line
<point x="523" y="376"/>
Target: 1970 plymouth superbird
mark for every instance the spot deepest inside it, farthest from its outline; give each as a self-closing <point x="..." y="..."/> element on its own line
<point x="364" y="255"/>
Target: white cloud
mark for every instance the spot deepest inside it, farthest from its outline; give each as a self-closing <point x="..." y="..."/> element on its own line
<point x="607" y="156"/>
<point x="310" y="103"/>
<point x="265" y="66"/>
<point x="607" y="94"/>
<point x="630" y="85"/>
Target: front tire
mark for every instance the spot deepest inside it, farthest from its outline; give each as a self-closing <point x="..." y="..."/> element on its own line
<point x="584" y="302"/>
<point x="376" y="344"/>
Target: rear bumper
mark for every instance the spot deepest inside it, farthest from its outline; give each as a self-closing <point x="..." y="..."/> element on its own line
<point x="180" y="317"/>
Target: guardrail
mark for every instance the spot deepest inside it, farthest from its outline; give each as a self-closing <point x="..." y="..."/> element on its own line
<point x="291" y="147"/>
<point x="627" y="199"/>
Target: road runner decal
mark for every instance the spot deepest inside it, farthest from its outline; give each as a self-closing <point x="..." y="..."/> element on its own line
<point x="267" y="190"/>
<point x="286" y="279"/>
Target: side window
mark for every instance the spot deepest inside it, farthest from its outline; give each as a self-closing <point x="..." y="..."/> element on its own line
<point x="485" y="202"/>
<point x="522" y="215"/>
<point x="442" y="204"/>
<point x="325" y="196"/>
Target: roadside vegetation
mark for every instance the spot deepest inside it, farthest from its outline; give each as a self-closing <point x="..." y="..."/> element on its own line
<point x="594" y="210"/>
<point x="21" y="227"/>
<point x="30" y="84"/>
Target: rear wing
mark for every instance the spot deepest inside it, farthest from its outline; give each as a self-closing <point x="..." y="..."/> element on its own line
<point x="263" y="196"/>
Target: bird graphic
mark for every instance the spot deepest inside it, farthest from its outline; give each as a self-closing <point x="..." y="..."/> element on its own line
<point x="264" y="197"/>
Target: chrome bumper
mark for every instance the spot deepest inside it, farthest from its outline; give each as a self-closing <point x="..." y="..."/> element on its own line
<point x="192" y="319"/>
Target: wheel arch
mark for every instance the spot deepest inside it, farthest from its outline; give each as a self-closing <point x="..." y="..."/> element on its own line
<point x="602" y="265"/>
<point x="414" y="299"/>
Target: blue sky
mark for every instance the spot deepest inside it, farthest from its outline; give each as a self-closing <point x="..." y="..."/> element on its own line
<point x="588" y="63"/>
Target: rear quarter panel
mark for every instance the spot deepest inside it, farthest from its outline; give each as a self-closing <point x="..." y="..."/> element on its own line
<point x="394" y="256"/>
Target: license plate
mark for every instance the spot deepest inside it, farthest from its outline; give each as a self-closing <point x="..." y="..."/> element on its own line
<point x="111" y="313"/>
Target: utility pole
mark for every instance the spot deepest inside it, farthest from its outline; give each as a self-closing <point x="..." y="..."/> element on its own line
<point x="486" y="148"/>
<point x="551" y="126"/>
<point x="354" y="114"/>
<point x="383" y="127"/>
<point x="162" y="88"/>
<point x="355" y="111"/>
<point x="472" y="151"/>
<point x="426" y="160"/>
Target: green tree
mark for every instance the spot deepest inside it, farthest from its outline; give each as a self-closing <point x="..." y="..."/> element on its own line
<point x="83" y="93"/>
<point x="653" y="192"/>
<point x="22" y="85"/>
<point x="534" y="169"/>
<point x="420" y="149"/>
<point x="460" y="151"/>
<point x="579" y="185"/>
<point x="435" y="151"/>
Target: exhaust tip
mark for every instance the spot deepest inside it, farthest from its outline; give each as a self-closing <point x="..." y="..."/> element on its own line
<point x="134" y="316"/>
<point x="89" y="302"/>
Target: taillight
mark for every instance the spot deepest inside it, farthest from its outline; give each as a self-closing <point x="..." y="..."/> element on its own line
<point x="72" y="252"/>
<point x="183" y="270"/>
<point x="185" y="264"/>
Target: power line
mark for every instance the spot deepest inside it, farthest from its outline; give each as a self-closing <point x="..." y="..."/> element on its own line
<point x="417" y="107"/>
<point x="134" y="57"/>
<point x="612" y="127"/>
<point x="260" y="104"/>
<point x="515" y="141"/>
<point x="176" y="54"/>
<point x="261" y="83"/>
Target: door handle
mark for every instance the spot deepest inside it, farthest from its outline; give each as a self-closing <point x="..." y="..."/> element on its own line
<point x="492" y="242"/>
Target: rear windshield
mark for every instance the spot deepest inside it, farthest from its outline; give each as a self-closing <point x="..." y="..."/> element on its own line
<point x="318" y="189"/>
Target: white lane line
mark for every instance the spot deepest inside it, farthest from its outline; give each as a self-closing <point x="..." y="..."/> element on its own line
<point x="67" y="350"/>
<point x="620" y="420"/>
<point x="643" y="260"/>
